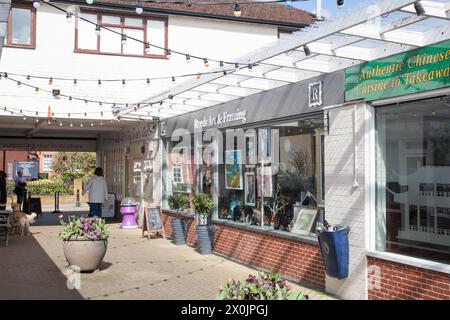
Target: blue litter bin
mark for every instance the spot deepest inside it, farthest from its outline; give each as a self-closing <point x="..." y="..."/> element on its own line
<point x="335" y="251"/>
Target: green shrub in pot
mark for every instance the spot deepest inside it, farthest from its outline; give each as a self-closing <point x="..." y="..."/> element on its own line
<point x="203" y="206"/>
<point x="178" y="202"/>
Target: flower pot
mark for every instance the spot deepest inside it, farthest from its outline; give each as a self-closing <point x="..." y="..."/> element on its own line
<point x="205" y="237"/>
<point x="87" y="255"/>
<point x="178" y="231"/>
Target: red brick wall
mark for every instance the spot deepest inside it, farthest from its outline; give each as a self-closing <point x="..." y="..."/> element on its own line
<point x="297" y="260"/>
<point x="400" y="281"/>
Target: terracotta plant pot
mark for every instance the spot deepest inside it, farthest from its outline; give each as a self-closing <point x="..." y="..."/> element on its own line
<point x="85" y="254"/>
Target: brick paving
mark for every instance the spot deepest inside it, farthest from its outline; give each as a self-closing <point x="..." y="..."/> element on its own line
<point x="134" y="268"/>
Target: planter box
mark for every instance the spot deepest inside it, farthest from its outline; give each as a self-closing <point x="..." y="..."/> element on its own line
<point x="205" y="237"/>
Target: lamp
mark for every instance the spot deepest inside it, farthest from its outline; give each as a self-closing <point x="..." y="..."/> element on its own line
<point x="237" y="10"/>
<point x="419" y="8"/>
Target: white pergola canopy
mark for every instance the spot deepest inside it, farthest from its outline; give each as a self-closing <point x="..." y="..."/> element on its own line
<point x="379" y="30"/>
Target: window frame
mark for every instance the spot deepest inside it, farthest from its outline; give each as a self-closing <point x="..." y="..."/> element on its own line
<point x="50" y="159"/>
<point x="122" y="25"/>
<point x="32" y="45"/>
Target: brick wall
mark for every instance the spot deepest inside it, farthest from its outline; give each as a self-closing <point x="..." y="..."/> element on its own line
<point x="400" y="281"/>
<point x="294" y="259"/>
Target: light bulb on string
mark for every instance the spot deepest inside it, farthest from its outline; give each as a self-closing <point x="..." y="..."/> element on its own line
<point x="97" y="30"/>
<point x="36" y="90"/>
<point x="81" y="125"/>
<point x="168" y="54"/>
<point x="60" y="124"/>
<point x="68" y="17"/>
<point x="198" y="75"/>
<point x="50" y="81"/>
<point x="237" y="10"/>
<point x="250" y="67"/>
<point x="236" y="65"/>
<point x="71" y="124"/>
<point x="147" y="48"/>
<point x="24" y="118"/>
<point x="139" y="7"/>
<point x="148" y="81"/>
<point x="28" y="78"/>
<point x="89" y="1"/>
<point x="92" y="124"/>
<point x="124" y="39"/>
<point x="99" y="82"/>
<point x="37" y="120"/>
<point x="205" y="61"/>
<point x="36" y="4"/>
<point x="173" y="79"/>
<point x="75" y="82"/>
<point x="188" y="3"/>
<point x="123" y="82"/>
<point x="188" y="58"/>
<point x="19" y="84"/>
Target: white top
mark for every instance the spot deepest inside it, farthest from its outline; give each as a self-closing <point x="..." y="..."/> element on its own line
<point x="96" y="187"/>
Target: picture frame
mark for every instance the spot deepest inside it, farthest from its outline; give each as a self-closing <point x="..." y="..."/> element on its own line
<point x="304" y="221"/>
<point x="233" y="170"/>
<point x="250" y="189"/>
<point x="268" y="183"/>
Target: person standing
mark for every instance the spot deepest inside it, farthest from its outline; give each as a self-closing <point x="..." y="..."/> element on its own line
<point x="19" y="189"/>
<point x="98" y="193"/>
<point x="3" y="191"/>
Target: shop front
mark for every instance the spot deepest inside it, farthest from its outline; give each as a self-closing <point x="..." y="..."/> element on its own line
<point x="407" y="101"/>
<point x="131" y="163"/>
<point x="261" y="158"/>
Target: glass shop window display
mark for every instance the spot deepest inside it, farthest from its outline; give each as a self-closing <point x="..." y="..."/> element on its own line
<point x="413" y="179"/>
<point x="277" y="171"/>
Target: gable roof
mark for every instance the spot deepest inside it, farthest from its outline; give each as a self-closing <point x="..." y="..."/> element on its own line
<point x="266" y="13"/>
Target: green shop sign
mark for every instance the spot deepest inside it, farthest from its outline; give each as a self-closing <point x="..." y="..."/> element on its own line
<point x="418" y="70"/>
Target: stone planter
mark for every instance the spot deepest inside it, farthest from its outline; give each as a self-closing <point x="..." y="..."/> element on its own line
<point x="85" y="254"/>
<point x="178" y="231"/>
<point x="205" y="236"/>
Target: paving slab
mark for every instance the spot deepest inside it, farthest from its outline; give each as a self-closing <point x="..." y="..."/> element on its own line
<point x="34" y="267"/>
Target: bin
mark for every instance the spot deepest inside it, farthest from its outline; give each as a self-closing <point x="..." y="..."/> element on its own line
<point x="335" y="251"/>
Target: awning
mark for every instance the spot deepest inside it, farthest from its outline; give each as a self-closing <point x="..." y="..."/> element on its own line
<point x="374" y="32"/>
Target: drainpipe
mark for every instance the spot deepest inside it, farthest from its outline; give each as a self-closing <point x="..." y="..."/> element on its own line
<point x="319" y="10"/>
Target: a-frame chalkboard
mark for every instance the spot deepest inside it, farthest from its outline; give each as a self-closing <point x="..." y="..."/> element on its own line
<point x="152" y="221"/>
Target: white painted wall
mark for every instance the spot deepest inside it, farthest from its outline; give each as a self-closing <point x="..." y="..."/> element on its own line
<point x="344" y="203"/>
<point x="54" y="56"/>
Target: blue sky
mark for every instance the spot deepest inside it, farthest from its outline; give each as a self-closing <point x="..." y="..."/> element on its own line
<point x="329" y="7"/>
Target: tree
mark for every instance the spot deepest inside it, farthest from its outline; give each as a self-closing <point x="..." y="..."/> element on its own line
<point x="70" y="165"/>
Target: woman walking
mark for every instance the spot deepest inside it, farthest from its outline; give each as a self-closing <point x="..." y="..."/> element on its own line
<point x="98" y="193"/>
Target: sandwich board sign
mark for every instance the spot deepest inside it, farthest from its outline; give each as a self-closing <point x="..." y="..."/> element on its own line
<point x="152" y="221"/>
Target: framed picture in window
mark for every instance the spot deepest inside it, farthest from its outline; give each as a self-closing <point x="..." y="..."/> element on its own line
<point x="233" y="170"/>
<point x="267" y="181"/>
<point x="305" y="220"/>
<point x="250" y="189"/>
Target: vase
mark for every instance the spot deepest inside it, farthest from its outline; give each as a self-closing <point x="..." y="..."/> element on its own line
<point x="178" y="231"/>
<point x="205" y="237"/>
<point x="85" y="255"/>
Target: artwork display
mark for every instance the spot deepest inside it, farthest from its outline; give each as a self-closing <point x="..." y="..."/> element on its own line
<point x="233" y="170"/>
<point x="304" y="221"/>
<point x="267" y="181"/>
<point x="250" y="189"/>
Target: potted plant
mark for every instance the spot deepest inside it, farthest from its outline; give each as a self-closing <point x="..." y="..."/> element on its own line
<point x="263" y="286"/>
<point x="203" y="206"/>
<point x="85" y="241"/>
<point x="178" y="202"/>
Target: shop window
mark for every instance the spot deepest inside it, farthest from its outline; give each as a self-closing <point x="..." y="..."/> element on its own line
<point x="152" y="30"/>
<point x="21" y="26"/>
<point x="278" y="172"/>
<point x="413" y="179"/>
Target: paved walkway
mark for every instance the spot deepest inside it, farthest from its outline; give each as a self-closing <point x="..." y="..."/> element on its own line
<point x="34" y="267"/>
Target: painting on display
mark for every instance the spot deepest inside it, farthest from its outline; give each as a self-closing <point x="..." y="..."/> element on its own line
<point x="267" y="180"/>
<point x="304" y="221"/>
<point x="250" y="189"/>
<point x="233" y="170"/>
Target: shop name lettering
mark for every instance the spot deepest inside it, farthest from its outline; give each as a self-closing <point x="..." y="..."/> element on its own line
<point x="221" y="118"/>
<point x="392" y="79"/>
